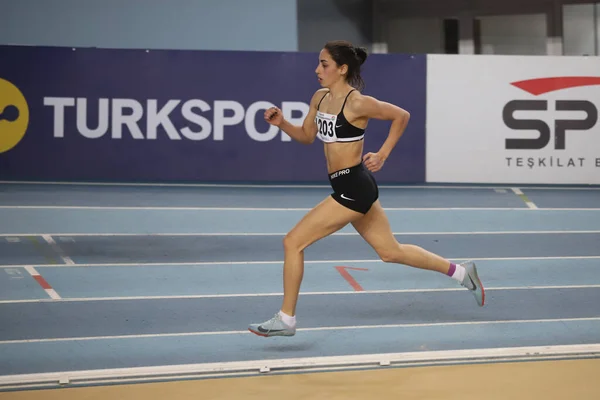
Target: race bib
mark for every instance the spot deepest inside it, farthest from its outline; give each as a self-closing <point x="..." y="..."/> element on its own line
<point x="326" y="127"/>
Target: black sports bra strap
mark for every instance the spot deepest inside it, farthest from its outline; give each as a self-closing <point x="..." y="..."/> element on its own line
<point x="319" y="105"/>
<point x="346" y="99"/>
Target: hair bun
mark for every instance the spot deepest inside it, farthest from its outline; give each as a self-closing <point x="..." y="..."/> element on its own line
<point x="361" y="54"/>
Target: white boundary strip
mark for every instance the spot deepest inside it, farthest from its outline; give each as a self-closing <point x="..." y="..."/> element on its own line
<point x="301" y="186"/>
<point x="68" y="234"/>
<point x="530" y="206"/>
<point x="319" y="329"/>
<point x="302" y="364"/>
<point x="337" y="293"/>
<point x="280" y="262"/>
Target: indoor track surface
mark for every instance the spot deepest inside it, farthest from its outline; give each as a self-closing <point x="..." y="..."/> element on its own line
<point x="104" y="284"/>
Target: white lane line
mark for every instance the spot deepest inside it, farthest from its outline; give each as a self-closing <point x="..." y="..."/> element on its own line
<point x="327" y="328"/>
<point x="208" y="208"/>
<point x="42" y="282"/>
<point x="333" y="293"/>
<point x="280" y="262"/>
<point x="50" y="240"/>
<point x="295" y="186"/>
<point x="351" y="233"/>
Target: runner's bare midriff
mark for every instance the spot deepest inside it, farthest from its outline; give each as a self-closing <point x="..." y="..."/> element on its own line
<point x="343" y="155"/>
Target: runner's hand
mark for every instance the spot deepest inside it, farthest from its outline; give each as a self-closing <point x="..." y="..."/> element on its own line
<point x="274" y="116"/>
<point x="373" y="161"/>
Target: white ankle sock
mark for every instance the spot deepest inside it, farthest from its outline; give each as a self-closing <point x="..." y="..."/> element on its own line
<point x="459" y="274"/>
<point x="287" y="319"/>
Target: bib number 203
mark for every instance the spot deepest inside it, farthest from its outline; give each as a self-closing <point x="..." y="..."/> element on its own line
<point x="325" y="127"/>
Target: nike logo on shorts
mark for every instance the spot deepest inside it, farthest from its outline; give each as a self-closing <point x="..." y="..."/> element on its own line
<point x="346" y="198"/>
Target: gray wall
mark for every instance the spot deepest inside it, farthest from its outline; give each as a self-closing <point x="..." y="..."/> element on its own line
<point x="504" y="29"/>
<point x="152" y="24"/>
<point x="407" y="26"/>
<point x="322" y="20"/>
<point x="523" y="34"/>
<point x="580" y="20"/>
<point x="415" y="35"/>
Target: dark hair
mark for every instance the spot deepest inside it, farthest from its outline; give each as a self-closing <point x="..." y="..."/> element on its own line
<point x="344" y="52"/>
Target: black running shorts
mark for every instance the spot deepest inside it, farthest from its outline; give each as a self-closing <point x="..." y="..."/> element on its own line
<point x="354" y="188"/>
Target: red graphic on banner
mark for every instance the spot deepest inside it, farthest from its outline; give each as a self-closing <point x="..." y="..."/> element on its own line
<point x="545" y="85"/>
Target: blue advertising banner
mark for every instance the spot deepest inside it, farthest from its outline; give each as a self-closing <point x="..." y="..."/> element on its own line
<point x="184" y="116"/>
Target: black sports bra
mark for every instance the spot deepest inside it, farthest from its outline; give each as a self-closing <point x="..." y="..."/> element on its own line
<point x="335" y="128"/>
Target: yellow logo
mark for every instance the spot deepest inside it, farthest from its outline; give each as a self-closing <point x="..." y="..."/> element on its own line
<point x="14" y="115"/>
